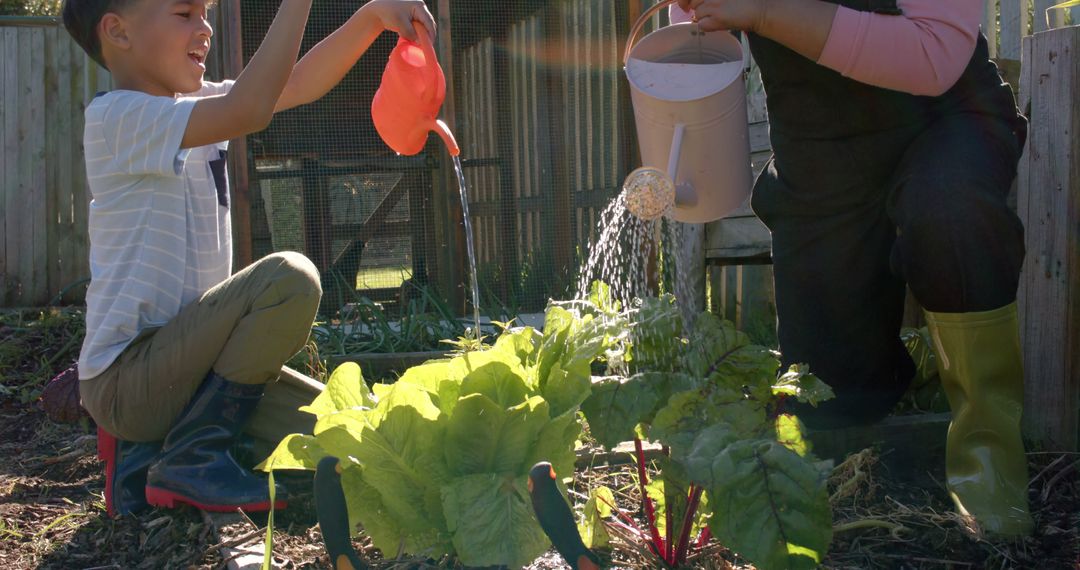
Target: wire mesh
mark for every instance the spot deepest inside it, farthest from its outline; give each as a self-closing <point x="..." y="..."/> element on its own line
<point x="539" y="106"/>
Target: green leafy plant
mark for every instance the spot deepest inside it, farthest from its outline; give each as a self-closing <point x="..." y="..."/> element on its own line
<point x="437" y="463"/>
<point x="734" y="462"/>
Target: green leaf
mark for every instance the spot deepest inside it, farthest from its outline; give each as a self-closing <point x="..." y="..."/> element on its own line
<point x="726" y="357"/>
<point x="483" y="437"/>
<point x="789" y="433"/>
<point x="522" y="343"/>
<point x="555" y="444"/>
<point x="296" y="451"/>
<point x="600" y="296"/>
<point x="366" y="511"/>
<point x="615" y="407"/>
<point x="566" y="389"/>
<point x="656" y="334"/>
<point x="686" y="414"/>
<point x="400" y="450"/>
<point x="768" y="505"/>
<point x="428" y="375"/>
<point x="799" y="383"/>
<point x="503" y="383"/>
<point x="591" y="528"/>
<point x="344" y="390"/>
<point x="340" y="441"/>
<point x="491" y="519"/>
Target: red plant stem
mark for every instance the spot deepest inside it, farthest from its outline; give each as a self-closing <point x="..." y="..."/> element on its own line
<point x="629" y="521"/>
<point x="704" y="537"/>
<point x="650" y="513"/>
<point x="687" y="523"/>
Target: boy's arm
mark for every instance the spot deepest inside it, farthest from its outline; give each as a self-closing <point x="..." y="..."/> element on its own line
<point x="249" y="105"/>
<point x="324" y="65"/>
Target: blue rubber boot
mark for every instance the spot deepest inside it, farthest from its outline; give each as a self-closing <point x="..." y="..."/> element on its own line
<point x="196" y="466"/>
<point x="126" y="463"/>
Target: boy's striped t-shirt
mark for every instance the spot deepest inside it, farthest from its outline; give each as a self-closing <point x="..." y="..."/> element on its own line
<point x="159" y="218"/>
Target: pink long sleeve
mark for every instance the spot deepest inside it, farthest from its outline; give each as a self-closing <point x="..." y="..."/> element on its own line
<point x="922" y="52"/>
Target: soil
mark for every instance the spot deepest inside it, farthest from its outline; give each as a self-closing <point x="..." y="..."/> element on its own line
<point x="52" y="508"/>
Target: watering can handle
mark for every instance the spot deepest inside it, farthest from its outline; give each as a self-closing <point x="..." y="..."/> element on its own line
<point x="431" y="59"/>
<point x="640" y="23"/>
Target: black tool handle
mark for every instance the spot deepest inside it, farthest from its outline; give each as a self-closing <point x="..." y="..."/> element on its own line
<point x="557" y="520"/>
<point x="334" y="516"/>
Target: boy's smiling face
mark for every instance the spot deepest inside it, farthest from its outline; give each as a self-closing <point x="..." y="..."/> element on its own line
<point x="158" y="46"/>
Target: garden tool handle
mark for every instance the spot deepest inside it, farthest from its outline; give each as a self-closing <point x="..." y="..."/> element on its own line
<point x="333" y="516"/>
<point x="431" y="69"/>
<point x="640" y="23"/>
<point x="556" y="519"/>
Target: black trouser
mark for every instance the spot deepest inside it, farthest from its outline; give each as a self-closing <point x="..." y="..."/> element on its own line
<point x="854" y="219"/>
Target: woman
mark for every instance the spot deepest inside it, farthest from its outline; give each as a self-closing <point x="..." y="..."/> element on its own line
<point x="895" y="144"/>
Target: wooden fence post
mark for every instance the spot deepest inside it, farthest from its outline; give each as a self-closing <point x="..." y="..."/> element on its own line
<point x="1049" y="205"/>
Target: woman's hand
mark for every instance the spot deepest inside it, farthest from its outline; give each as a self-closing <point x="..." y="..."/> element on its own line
<point x="801" y="25"/>
<point x="712" y="15"/>
<point x="398" y="16"/>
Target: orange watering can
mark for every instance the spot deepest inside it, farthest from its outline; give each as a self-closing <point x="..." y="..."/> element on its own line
<point x="409" y="98"/>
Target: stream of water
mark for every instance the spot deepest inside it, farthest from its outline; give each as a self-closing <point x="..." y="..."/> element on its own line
<point x="473" y="286"/>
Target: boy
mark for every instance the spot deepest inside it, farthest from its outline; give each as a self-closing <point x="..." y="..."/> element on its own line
<point x="178" y="352"/>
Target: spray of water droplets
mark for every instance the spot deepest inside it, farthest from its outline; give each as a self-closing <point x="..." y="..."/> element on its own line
<point x="628" y="247"/>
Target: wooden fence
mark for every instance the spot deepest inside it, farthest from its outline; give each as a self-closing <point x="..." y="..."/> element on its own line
<point x="564" y="131"/>
<point x="1049" y="206"/>
<point x="547" y="103"/>
<point x="47" y="82"/>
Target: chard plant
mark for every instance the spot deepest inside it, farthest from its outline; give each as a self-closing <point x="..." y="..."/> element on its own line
<point x="437" y="463"/>
<point x="735" y="465"/>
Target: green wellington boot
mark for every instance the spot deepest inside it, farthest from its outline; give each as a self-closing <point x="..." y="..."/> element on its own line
<point x="982" y="372"/>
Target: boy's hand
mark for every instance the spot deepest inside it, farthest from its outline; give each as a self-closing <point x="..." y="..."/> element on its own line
<point x="399" y="15"/>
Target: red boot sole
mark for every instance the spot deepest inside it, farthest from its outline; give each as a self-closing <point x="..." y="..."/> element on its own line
<point x="168" y="499"/>
<point x="106" y="445"/>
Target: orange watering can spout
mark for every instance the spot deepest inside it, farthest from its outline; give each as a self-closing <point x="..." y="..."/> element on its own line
<point x="447" y="137"/>
<point x="406" y="106"/>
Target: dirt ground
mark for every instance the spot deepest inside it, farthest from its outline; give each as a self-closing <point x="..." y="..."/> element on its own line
<point x="52" y="507"/>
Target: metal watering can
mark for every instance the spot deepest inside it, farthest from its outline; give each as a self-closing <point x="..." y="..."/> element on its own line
<point x="689" y="101"/>
<point x="406" y="106"/>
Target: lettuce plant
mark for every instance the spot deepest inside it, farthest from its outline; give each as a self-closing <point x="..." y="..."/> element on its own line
<point x="437" y="463"/>
<point x="735" y="462"/>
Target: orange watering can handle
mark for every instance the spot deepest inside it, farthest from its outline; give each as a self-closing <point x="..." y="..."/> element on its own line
<point x="431" y="69"/>
<point x="640" y="23"/>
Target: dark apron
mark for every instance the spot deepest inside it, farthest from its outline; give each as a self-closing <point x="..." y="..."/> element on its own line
<point x="870" y="189"/>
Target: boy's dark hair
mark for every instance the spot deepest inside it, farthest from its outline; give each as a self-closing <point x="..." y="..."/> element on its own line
<point x="81" y="18"/>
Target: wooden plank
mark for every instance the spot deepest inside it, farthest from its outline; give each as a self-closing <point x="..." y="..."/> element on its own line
<point x="1044" y="20"/>
<point x="1049" y="206"/>
<point x="990" y="26"/>
<point x="757" y="304"/>
<point x="7" y="153"/>
<point x="1013" y="26"/>
<point x="453" y="264"/>
<point x="502" y="131"/>
<point x="690" y="267"/>
<point x="51" y="220"/>
<point x="80" y="188"/>
<point x="232" y="57"/>
<point x="35" y="266"/>
<point x="737" y="238"/>
<point x="65" y="165"/>
<point x="560" y="223"/>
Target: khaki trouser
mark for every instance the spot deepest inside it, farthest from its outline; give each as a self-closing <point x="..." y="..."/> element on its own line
<point x="244" y="329"/>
